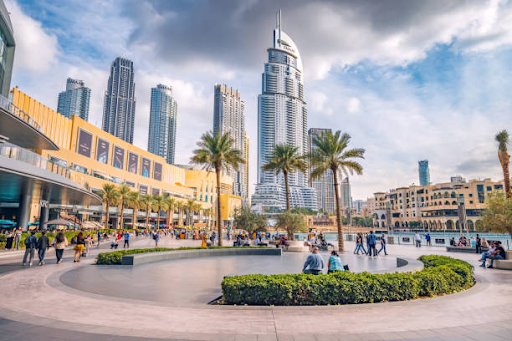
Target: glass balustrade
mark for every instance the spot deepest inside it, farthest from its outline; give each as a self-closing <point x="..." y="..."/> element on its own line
<point x="7" y="105"/>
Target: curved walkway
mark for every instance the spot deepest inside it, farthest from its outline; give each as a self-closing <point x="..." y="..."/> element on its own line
<point x="45" y="306"/>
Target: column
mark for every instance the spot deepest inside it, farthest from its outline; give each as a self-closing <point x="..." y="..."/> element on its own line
<point x="45" y="208"/>
<point x="24" y="208"/>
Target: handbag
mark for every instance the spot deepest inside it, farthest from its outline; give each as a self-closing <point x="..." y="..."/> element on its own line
<point x="346" y="267"/>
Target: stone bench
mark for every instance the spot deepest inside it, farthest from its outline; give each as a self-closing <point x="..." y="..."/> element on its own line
<point x="505" y="264"/>
<point x="151" y="257"/>
<point x="465" y="249"/>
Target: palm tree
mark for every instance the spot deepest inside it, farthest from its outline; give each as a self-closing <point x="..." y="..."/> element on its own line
<point x="110" y="196"/>
<point x="170" y="204"/>
<point x="159" y="203"/>
<point x="197" y="208"/>
<point x="330" y="153"/>
<point x="124" y="192"/>
<point x="134" y="202"/>
<point x="207" y="212"/>
<point x="148" y="203"/>
<point x="216" y="152"/>
<point x="179" y="207"/>
<point x="285" y="158"/>
<point x="189" y="205"/>
<point x="504" y="156"/>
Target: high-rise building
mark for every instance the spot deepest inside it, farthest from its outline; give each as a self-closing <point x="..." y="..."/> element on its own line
<point x="229" y="117"/>
<point x="424" y="172"/>
<point x="163" y="115"/>
<point x="75" y="100"/>
<point x="246" y="157"/>
<point x="325" y="185"/>
<point x="7" y="46"/>
<point x="346" y="198"/>
<point x="282" y="119"/>
<point x="119" y="105"/>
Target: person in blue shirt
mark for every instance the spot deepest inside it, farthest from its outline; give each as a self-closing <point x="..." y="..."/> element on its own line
<point x="334" y="264"/>
<point x="126" y="240"/>
<point x="427" y="237"/>
<point x="372" y="241"/>
<point x="383" y="244"/>
<point x="315" y="262"/>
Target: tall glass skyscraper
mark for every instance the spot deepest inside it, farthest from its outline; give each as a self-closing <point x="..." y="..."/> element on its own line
<point x="229" y="117"/>
<point x="119" y="105"/>
<point x="424" y="172"/>
<point x="325" y="185"/>
<point x="7" y="46"/>
<point x="282" y="119"/>
<point x="163" y="116"/>
<point x="75" y="100"/>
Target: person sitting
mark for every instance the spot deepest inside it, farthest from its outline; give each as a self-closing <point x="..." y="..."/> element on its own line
<point x="315" y="262"/>
<point x="334" y="263"/>
<point x="452" y="242"/>
<point x="488" y="254"/>
<point x="499" y="253"/>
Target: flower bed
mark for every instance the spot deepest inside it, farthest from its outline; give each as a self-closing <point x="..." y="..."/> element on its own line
<point x="441" y="275"/>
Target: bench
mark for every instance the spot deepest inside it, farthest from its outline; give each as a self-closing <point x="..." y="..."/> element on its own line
<point x="505" y="264"/>
<point x="465" y="249"/>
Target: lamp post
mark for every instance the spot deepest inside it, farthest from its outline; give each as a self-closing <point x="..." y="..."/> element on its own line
<point x="388" y="216"/>
<point x="462" y="213"/>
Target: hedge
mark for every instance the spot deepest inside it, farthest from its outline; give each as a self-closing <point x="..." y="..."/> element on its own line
<point x="115" y="257"/>
<point x="441" y="275"/>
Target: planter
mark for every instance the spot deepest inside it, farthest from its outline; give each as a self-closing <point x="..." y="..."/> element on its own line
<point x="296" y="246"/>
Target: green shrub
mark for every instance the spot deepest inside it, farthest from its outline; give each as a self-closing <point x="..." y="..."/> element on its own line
<point x="115" y="257"/>
<point x="441" y="275"/>
<point x="2" y="245"/>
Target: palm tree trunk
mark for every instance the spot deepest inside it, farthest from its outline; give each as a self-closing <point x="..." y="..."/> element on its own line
<point x="287" y="191"/>
<point x="134" y="219"/>
<point x="219" y="217"/>
<point x="168" y="216"/>
<point x="341" y="242"/>
<point x="107" y="217"/>
<point x="158" y="219"/>
<point x="121" y="216"/>
<point x="147" y="218"/>
<point x="505" y="160"/>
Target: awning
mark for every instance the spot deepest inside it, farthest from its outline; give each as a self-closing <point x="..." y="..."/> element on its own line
<point x="60" y="221"/>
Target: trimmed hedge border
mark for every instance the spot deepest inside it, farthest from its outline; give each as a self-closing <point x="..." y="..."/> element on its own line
<point x="115" y="257"/>
<point x="441" y="275"/>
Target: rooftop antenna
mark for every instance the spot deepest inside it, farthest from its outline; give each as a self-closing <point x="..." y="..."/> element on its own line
<point x="278" y="24"/>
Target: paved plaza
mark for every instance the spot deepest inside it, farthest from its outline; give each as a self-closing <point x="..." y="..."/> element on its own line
<point x="43" y="303"/>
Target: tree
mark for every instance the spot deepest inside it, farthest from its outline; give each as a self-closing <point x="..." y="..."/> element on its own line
<point x="504" y="157"/>
<point x="216" y="152"/>
<point x="189" y="206"/>
<point x="170" y="204"/>
<point x="248" y="220"/>
<point x="197" y="208"/>
<point x="133" y="201"/>
<point x="291" y="223"/>
<point x="207" y="212"/>
<point x="148" y="204"/>
<point x="124" y="192"/>
<point x="110" y="197"/>
<point x="285" y="158"/>
<point x="179" y="206"/>
<point x="303" y="211"/>
<point x="498" y="213"/>
<point x="330" y="153"/>
<point x="159" y="204"/>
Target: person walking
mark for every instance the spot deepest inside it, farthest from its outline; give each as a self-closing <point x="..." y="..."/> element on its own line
<point x="383" y="245"/>
<point x="30" y="246"/>
<point x="427" y="238"/>
<point x="43" y="244"/>
<point x="359" y="244"/>
<point x="17" y="238"/>
<point x="156" y="238"/>
<point x="334" y="263"/>
<point x="315" y="262"/>
<point x="60" y="243"/>
<point x="478" y="244"/>
<point x="126" y="240"/>
<point x="212" y="238"/>
<point x="79" y="247"/>
<point x="372" y="241"/>
<point x="417" y="239"/>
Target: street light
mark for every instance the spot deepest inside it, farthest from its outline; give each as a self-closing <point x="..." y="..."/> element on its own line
<point x="462" y="213"/>
<point x="388" y="216"/>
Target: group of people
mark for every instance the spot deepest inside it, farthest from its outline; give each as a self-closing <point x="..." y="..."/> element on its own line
<point x="496" y="251"/>
<point x="314" y="264"/>
<point x="371" y="244"/>
<point x="60" y="242"/>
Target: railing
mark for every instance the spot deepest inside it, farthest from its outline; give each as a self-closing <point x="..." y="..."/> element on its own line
<point x="14" y="110"/>
<point x="20" y="154"/>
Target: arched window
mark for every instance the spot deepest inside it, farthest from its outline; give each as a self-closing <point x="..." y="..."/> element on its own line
<point x="454" y="202"/>
<point x="446" y="195"/>
<point x="453" y="195"/>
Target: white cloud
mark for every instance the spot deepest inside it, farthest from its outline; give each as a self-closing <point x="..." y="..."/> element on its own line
<point x="353" y="105"/>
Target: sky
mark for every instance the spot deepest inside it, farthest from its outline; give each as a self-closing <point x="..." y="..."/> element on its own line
<point x="408" y="80"/>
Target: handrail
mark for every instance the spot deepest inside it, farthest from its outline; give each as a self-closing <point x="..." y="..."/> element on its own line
<point x="6" y="104"/>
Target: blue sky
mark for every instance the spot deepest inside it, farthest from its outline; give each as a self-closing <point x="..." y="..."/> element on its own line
<point x="409" y="81"/>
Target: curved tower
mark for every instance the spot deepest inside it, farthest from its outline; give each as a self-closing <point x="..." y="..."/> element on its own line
<point x="282" y="118"/>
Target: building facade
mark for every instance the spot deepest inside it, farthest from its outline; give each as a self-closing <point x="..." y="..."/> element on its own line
<point x="424" y="172"/>
<point x="75" y="100"/>
<point x="163" y="116"/>
<point x="229" y="117"/>
<point x="7" y="47"/>
<point x="434" y="207"/>
<point x="325" y="185"/>
<point x="282" y="118"/>
<point x="119" y="104"/>
<point x="247" y="156"/>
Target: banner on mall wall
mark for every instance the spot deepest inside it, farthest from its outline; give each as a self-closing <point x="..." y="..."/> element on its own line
<point x="118" y="157"/>
<point x="157" y="171"/>
<point x="146" y="167"/>
<point x="155" y="191"/>
<point x="133" y="162"/>
<point x="84" y="144"/>
<point x="102" y="148"/>
<point x="143" y="189"/>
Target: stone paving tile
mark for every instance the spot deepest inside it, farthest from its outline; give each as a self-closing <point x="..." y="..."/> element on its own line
<point x="284" y="337"/>
<point x="326" y="337"/>
<point x="246" y="337"/>
<point x="486" y="336"/>
<point x="426" y="333"/>
<point x="304" y="337"/>
<point x="267" y="337"/>
<point x="455" y="338"/>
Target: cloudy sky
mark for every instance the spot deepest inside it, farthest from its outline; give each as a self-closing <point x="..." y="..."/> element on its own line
<point x="409" y="80"/>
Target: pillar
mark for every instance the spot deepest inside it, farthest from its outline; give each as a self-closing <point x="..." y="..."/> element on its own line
<point x="45" y="208"/>
<point x="24" y="208"/>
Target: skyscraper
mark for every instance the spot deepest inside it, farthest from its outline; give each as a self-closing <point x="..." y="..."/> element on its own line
<point x="325" y="185"/>
<point x="119" y="105"/>
<point x="282" y="119"/>
<point x="163" y="116"/>
<point x="229" y="117"/>
<point x="75" y="100"/>
<point x="246" y="157"/>
<point x="346" y="195"/>
<point x="424" y="172"/>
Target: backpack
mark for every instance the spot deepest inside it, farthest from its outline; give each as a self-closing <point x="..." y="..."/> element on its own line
<point x="30" y="242"/>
